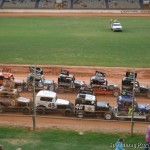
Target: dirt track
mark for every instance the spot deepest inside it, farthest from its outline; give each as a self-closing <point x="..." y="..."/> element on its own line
<point x="114" y="75"/>
<point x="8" y="14"/>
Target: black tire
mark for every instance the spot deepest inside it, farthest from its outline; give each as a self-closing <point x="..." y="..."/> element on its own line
<point x="41" y="110"/>
<point x="148" y="95"/>
<point x="26" y="111"/>
<point x="148" y="118"/>
<point x="1" y="109"/>
<point x="13" y="103"/>
<point x="29" y="89"/>
<point x="108" y="116"/>
<point x="80" y="114"/>
<point x="67" y="112"/>
<point x="19" y="89"/>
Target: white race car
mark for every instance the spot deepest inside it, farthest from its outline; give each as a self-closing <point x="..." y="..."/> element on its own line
<point x="116" y="26"/>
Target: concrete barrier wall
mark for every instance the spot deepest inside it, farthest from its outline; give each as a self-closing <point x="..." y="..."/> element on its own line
<point x="72" y="11"/>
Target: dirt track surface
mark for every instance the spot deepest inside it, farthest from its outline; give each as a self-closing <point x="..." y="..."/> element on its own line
<point x="114" y="75"/>
<point x="4" y="14"/>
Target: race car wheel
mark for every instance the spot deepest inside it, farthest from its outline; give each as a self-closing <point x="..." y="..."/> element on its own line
<point x="80" y="115"/>
<point x="1" y="109"/>
<point x="116" y="93"/>
<point x="26" y="111"/>
<point x="148" y="118"/>
<point x="41" y="110"/>
<point x="67" y="112"/>
<point x="29" y="88"/>
<point x="19" y="89"/>
<point x="108" y="116"/>
<point x="13" y="103"/>
<point x="148" y="95"/>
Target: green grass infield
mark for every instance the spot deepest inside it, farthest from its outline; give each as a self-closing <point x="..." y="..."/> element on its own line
<point x="12" y="138"/>
<point x="74" y="41"/>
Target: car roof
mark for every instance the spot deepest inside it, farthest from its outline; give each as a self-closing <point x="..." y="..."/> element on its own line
<point x="102" y="104"/>
<point x="66" y="76"/>
<point x="129" y="79"/>
<point x="116" y="23"/>
<point x="6" y="74"/>
<point x="48" y="81"/>
<point x="87" y="97"/>
<point x="125" y="98"/>
<point x="46" y="93"/>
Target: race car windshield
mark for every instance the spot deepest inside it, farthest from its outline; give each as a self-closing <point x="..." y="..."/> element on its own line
<point x="118" y="24"/>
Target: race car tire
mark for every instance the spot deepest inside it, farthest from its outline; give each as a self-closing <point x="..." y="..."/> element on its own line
<point x="13" y="103"/>
<point x="67" y="112"/>
<point x="80" y="114"/>
<point x="1" y="109"/>
<point x="26" y="111"/>
<point x="41" y="110"/>
<point x="29" y="89"/>
<point x="108" y="116"/>
<point x="19" y="89"/>
<point x="148" y="118"/>
<point x="148" y="95"/>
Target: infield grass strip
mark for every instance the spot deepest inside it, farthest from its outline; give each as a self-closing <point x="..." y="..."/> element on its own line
<point x="74" y="41"/>
<point x="12" y="138"/>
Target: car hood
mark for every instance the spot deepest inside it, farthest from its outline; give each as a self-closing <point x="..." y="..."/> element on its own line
<point x="102" y="104"/>
<point x="18" y="81"/>
<point x="115" y="85"/>
<point x="143" y="107"/>
<point x="98" y="78"/>
<point x="62" y="102"/>
<point x="144" y="86"/>
<point x="79" y="82"/>
<point x="117" y="27"/>
<point x="23" y="100"/>
<point x="48" y="81"/>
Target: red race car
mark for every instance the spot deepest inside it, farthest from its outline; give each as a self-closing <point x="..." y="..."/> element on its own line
<point x="110" y="89"/>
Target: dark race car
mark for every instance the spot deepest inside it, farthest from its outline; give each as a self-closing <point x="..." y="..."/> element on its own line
<point x="67" y="82"/>
<point x="98" y="79"/>
<point x="130" y="81"/>
<point x="110" y="89"/>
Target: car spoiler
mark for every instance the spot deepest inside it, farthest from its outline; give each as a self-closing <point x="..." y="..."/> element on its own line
<point x="131" y="74"/>
<point x="100" y="74"/>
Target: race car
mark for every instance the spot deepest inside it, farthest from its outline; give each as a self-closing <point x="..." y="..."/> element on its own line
<point x="98" y="79"/>
<point x="116" y="26"/>
<point x="67" y="82"/>
<point x="110" y="89"/>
